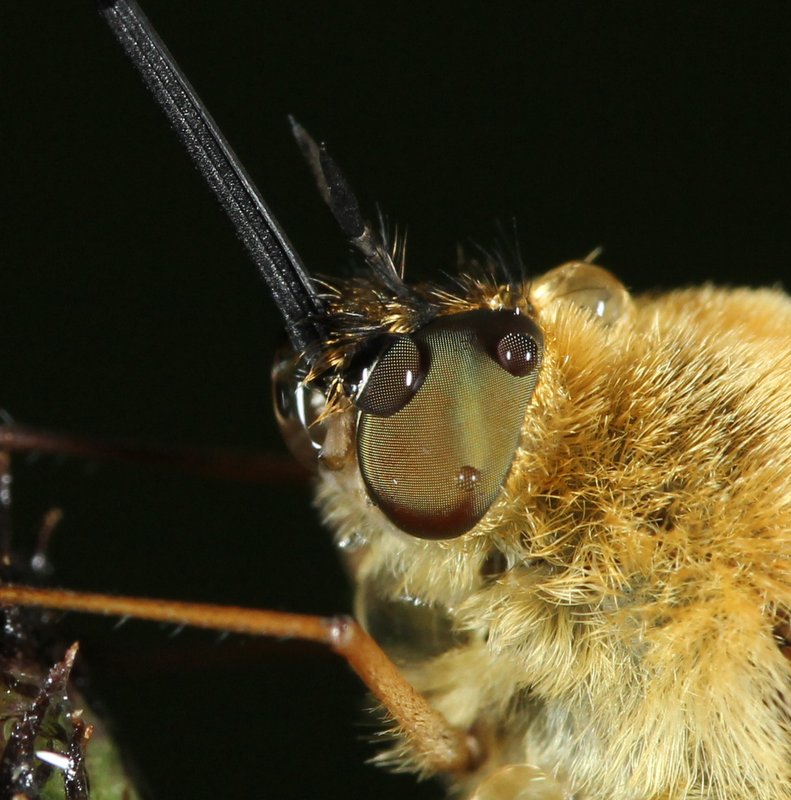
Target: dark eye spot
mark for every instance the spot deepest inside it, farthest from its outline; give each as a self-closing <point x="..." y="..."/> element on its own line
<point x="467" y="478"/>
<point x="442" y="415"/>
<point x="517" y="353"/>
<point x="390" y="382"/>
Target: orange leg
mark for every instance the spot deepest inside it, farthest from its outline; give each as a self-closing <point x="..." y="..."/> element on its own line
<point x="442" y="747"/>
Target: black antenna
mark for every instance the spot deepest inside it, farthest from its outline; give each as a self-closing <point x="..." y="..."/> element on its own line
<point x="289" y="283"/>
<point x="338" y="195"/>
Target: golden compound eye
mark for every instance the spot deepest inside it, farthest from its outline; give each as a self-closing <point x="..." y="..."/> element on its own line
<point x="391" y="381"/>
<point x="517" y="353"/>
<point x="434" y="457"/>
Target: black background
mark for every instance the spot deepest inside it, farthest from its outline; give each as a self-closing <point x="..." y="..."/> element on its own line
<point x="656" y="130"/>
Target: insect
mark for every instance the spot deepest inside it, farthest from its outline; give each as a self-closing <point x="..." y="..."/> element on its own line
<point x="382" y="194"/>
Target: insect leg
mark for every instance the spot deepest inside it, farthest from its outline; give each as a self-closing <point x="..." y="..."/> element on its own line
<point x="441" y="747"/>
<point x="234" y="465"/>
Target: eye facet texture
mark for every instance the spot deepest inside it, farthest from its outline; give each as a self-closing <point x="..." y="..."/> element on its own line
<point x="437" y="463"/>
<point x="392" y="381"/>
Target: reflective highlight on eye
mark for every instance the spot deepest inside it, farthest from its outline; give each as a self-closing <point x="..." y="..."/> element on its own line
<point x="517" y="353"/>
<point x="467" y="478"/>
<point x="442" y="412"/>
<point x="391" y="382"/>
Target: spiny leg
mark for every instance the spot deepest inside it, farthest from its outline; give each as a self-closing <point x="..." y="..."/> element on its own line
<point x="441" y="747"/>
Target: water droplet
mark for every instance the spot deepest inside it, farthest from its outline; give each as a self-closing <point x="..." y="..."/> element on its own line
<point x="352" y="541"/>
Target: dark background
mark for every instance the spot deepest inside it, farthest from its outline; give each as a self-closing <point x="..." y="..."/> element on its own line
<point x="127" y="307"/>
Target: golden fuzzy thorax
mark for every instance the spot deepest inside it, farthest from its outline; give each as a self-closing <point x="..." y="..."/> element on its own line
<point x="617" y="611"/>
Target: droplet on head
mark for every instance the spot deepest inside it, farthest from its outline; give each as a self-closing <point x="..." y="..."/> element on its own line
<point x="585" y="285"/>
<point x="352" y="541"/>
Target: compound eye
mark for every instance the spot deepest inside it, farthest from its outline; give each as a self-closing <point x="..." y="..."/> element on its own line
<point x="517" y="354"/>
<point x="435" y="449"/>
<point x="390" y="382"/>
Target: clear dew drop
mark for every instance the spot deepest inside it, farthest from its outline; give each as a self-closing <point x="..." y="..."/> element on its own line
<point x="586" y="286"/>
<point x="352" y="542"/>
